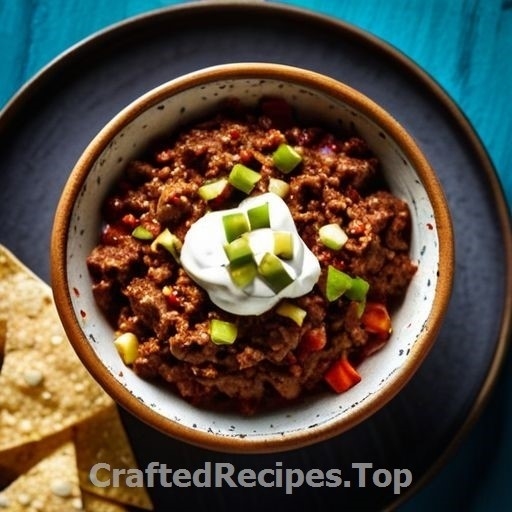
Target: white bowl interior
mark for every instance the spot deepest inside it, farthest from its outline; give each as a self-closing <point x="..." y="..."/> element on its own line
<point x="164" y="117"/>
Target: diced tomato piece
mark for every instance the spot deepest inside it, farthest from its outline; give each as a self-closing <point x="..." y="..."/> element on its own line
<point x="175" y="200"/>
<point x="171" y="296"/>
<point x="342" y="375"/>
<point x="130" y="220"/>
<point x="311" y="341"/>
<point x="234" y="134"/>
<point x="246" y="156"/>
<point x="173" y="300"/>
<point x="376" y="320"/>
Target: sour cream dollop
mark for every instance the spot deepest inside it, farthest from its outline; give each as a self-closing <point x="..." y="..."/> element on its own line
<point x="204" y="259"/>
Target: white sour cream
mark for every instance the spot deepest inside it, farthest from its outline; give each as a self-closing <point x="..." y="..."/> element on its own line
<point x="205" y="261"/>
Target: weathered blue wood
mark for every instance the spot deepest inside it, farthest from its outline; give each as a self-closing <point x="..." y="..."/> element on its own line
<point x="465" y="45"/>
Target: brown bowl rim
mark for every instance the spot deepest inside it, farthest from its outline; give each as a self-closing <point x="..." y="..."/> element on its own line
<point x="256" y="444"/>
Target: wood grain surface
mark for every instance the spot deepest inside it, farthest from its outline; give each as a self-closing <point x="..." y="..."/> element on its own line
<point x="465" y="45"/>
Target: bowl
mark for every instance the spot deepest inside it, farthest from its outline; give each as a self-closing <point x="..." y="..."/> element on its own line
<point x="416" y="322"/>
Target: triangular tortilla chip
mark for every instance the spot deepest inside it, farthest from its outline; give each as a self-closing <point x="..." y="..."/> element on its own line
<point x="102" y="439"/>
<point x="93" y="503"/>
<point x="51" y="485"/>
<point x="18" y="460"/>
<point x="3" y="338"/>
<point x="44" y="387"/>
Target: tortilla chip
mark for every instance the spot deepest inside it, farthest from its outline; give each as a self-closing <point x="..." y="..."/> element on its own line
<point x="3" y="337"/>
<point x="44" y="387"/>
<point x="54" y="418"/>
<point x="51" y="485"/>
<point x="18" y="460"/>
<point x="102" y="438"/>
<point x="93" y="503"/>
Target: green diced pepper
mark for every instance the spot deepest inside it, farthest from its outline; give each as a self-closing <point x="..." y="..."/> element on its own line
<point x="243" y="274"/>
<point x="222" y="332"/>
<point x="238" y="251"/>
<point x="141" y="233"/>
<point x="286" y="158"/>
<point x="291" y="311"/>
<point x="332" y="236"/>
<point x="358" y="289"/>
<point x="168" y="241"/>
<point x="235" y="224"/>
<point x="212" y="189"/>
<point x="259" y="216"/>
<point x="274" y="273"/>
<point x="283" y="244"/>
<point x="337" y="283"/>
<point x="243" y="178"/>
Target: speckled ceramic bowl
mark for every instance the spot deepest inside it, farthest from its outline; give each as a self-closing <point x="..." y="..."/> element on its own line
<point x="416" y="323"/>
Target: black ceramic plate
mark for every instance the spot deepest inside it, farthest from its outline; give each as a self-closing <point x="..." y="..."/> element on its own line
<point x="50" y="121"/>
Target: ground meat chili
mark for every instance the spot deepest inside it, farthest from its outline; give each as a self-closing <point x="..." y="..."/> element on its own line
<point x="145" y="291"/>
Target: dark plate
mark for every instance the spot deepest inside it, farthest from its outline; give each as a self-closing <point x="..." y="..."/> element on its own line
<point x="45" y="127"/>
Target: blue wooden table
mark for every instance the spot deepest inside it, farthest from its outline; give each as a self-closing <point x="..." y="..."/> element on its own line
<point x="465" y="45"/>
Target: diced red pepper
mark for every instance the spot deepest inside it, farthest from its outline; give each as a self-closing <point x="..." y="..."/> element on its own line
<point x="130" y="220"/>
<point x="314" y="339"/>
<point x="376" y="320"/>
<point x="246" y="156"/>
<point x="175" y="200"/>
<point x="341" y="375"/>
<point x="171" y="296"/>
<point x="311" y="341"/>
